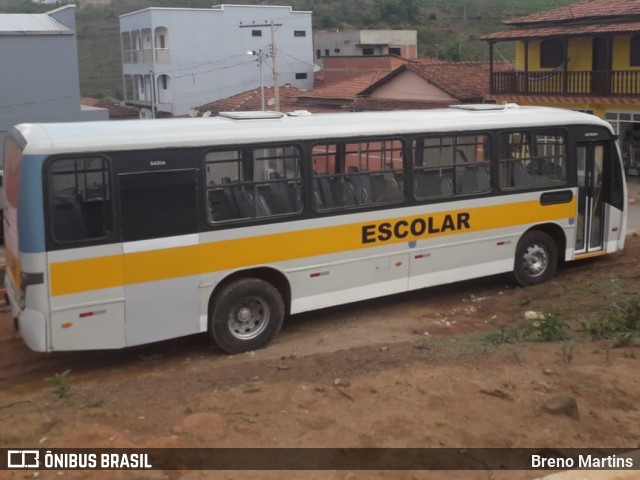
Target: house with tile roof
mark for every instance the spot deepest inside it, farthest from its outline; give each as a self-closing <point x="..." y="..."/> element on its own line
<point x="416" y="84"/>
<point x="251" y="101"/>
<point x="584" y="56"/>
<point x="117" y="111"/>
<point x="425" y="83"/>
<point x="337" y="69"/>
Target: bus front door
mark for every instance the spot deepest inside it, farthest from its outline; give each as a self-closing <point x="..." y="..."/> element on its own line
<point x="590" y="225"/>
<point x="159" y="212"/>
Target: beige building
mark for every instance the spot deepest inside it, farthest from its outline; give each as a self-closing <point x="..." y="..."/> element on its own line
<point x="402" y="43"/>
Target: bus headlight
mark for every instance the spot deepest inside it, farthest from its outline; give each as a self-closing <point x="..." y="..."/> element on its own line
<point x="27" y="279"/>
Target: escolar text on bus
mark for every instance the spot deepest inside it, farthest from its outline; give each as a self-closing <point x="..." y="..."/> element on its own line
<point x="417" y="227"/>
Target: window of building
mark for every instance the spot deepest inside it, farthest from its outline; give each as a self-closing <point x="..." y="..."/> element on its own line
<point x="336" y="50"/>
<point x="256" y="33"/>
<point x="395" y="51"/>
<point x="552" y="53"/>
<point x="532" y="159"/>
<point x="301" y="76"/>
<point x="351" y="174"/>
<point x="164" y="81"/>
<point x="80" y="199"/>
<point x="634" y="59"/>
<point x="318" y="53"/>
<point x="161" y="40"/>
<point x="253" y="183"/>
<point x="367" y="51"/>
<point x="326" y="52"/>
<point x="451" y="165"/>
<point x="299" y="33"/>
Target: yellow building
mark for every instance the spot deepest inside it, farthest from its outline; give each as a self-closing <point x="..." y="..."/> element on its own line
<point x="584" y="56"/>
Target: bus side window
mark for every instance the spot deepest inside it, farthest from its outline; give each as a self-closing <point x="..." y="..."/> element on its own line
<point x="532" y="159"/>
<point x="352" y="174"/>
<point x="80" y="199"/>
<point x="451" y="165"/>
<point x="251" y="183"/>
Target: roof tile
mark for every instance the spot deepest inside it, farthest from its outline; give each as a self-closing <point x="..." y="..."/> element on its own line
<point x="584" y="9"/>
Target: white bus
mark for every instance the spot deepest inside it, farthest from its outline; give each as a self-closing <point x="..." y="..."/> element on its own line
<point x="125" y="233"/>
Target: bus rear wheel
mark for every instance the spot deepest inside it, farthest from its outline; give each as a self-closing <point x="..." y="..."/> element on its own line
<point x="246" y="315"/>
<point x="536" y="259"/>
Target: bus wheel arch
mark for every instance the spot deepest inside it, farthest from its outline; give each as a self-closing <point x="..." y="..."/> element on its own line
<point x="537" y="254"/>
<point x="247" y="309"/>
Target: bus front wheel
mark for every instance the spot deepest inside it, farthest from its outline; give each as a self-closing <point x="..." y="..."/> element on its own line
<point x="246" y="315"/>
<point x="536" y="259"/>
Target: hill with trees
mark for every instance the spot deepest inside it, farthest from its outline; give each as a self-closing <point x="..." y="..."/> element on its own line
<point x="447" y="29"/>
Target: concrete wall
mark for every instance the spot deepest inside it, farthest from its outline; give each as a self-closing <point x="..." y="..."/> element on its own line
<point x="409" y="86"/>
<point x="352" y="43"/>
<point x="40" y="81"/>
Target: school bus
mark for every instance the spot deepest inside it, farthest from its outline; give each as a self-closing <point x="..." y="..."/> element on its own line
<point x="125" y="233"/>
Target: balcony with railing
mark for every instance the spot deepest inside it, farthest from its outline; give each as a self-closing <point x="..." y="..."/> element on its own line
<point x="146" y="56"/>
<point x="619" y="83"/>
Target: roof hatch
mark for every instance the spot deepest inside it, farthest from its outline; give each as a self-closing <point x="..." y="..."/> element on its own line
<point x="484" y="107"/>
<point x="259" y="115"/>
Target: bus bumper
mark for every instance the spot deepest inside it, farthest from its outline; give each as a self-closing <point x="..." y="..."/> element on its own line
<point x="33" y="329"/>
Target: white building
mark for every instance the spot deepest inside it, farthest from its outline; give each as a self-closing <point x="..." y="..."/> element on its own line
<point x="175" y="59"/>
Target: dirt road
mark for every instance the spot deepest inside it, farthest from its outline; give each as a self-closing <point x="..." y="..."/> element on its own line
<point x="442" y="367"/>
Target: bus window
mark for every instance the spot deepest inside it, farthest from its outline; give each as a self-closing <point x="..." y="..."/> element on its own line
<point x="80" y="199"/>
<point x="253" y="183"/>
<point x="451" y="165"/>
<point x="532" y="159"/>
<point x="348" y="174"/>
<point x="158" y="204"/>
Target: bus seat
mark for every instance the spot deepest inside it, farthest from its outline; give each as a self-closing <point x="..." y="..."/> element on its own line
<point x="261" y="207"/>
<point x="475" y="179"/>
<point x="461" y="157"/>
<point x="521" y="178"/>
<point x="250" y="205"/>
<point x="344" y="192"/>
<point x="362" y="184"/>
<point x="326" y="192"/>
<point x="244" y="202"/>
<point x="428" y="183"/>
<point x="222" y="204"/>
<point x="279" y="199"/>
<point x="316" y="196"/>
<point x="446" y="186"/>
<point x="484" y="179"/>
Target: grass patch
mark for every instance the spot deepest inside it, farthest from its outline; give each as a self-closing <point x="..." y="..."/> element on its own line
<point x="548" y="327"/>
<point x="620" y="321"/>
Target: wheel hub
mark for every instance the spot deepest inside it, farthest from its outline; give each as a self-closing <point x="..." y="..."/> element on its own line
<point x="249" y="318"/>
<point x="535" y="260"/>
<point x="244" y="315"/>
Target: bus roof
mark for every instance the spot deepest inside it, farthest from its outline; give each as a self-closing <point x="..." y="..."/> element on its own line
<point x="104" y="136"/>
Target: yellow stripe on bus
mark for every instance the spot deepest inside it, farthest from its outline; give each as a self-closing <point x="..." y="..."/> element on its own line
<point x="118" y="270"/>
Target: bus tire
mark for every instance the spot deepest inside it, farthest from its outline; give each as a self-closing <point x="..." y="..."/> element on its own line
<point x="246" y="315"/>
<point x="536" y="259"/>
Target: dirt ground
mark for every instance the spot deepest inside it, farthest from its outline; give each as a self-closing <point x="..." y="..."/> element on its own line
<point x="424" y="369"/>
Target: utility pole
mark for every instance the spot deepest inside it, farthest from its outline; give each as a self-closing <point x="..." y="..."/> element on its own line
<point x="152" y="82"/>
<point x="261" y="56"/>
<point x="274" y="65"/>
<point x="276" y="87"/>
